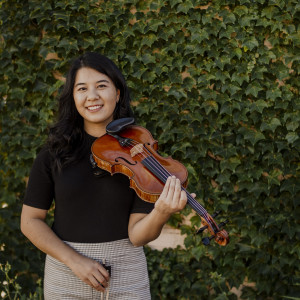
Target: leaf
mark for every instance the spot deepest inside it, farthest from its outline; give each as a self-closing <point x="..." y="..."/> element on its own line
<point x="273" y="177"/>
<point x="174" y="2"/>
<point x="238" y="52"/>
<point x="29" y="42"/>
<point x="250" y="43"/>
<point x="148" y="40"/>
<point x="180" y="147"/>
<point x="291" y="137"/>
<point x="198" y="252"/>
<point x="253" y="88"/>
<point x="288" y="229"/>
<point x="270" y="126"/>
<point x="269" y="11"/>
<point x="230" y="164"/>
<point x="68" y="44"/>
<point x="258" y="106"/>
<point x="245" y="248"/>
<point x="240" y="78"/>
<point x="273" y="94"/>
<point x="223" y="177"/>
<point x="185" y="6"/>
<point x="210" y="105"/>
<point x="18" y="93"/>
<point x="153" y="25"/>
<point x="290" y="185"/>
<point x="251" y="135"/>
<point x="241" y="10"/>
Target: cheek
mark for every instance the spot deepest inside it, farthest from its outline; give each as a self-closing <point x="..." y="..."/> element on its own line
<point x="78" y="101"/>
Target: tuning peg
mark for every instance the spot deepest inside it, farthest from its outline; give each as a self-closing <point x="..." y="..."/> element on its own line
<point x="206" y="240"/>
<point x="202" y="229"/>
<point x="223" y="223"/>
<point x="216" y="213"/>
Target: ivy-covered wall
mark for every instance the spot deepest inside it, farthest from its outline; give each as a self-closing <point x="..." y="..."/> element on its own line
<point x="217" y="84"/>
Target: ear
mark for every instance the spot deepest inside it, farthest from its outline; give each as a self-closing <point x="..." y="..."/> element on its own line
<point x="118" y="95"/>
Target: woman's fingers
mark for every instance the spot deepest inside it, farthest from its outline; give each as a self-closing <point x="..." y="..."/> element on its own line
<point x="171" y="190"/>
<point x="177" y="192"/>
<point x="165" y="191"/>
<point x="104" y="272"/>
<point x="96" y="284"/>
<point x="172" y="198"/>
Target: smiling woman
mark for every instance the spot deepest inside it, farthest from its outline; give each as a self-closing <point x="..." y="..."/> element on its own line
<point x="100" y="224"/>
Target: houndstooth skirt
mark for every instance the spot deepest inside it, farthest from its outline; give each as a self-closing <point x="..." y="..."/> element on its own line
<point x="129" y="274"/>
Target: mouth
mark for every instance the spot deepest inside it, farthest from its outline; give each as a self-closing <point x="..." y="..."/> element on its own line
<point x="94" y="108"/>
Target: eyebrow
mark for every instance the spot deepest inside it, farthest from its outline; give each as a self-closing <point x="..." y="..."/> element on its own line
<point x="82" y="83"/>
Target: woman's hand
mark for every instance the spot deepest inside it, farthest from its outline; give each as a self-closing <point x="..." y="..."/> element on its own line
<point x="144" y="228"/>
<point x="172" y="198"/>
<point x="91" y="272"/>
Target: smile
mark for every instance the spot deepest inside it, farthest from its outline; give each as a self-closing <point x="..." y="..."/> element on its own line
<point x="95" y="107"/>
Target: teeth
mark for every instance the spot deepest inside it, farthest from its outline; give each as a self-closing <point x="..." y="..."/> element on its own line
<point x="94" y="107"/>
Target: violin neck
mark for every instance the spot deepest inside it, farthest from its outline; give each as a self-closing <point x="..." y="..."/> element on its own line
<point x="162" y="174"/>
<point x="194" y="204"/>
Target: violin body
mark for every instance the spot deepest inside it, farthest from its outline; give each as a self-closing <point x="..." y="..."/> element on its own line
<point x="131" y="150"/>
<point x="118" y="159"/>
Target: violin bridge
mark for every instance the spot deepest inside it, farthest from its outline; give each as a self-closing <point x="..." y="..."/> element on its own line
<point x="137" y="149"/>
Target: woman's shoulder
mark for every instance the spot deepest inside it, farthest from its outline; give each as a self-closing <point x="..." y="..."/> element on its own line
<point x="44" y="156"/>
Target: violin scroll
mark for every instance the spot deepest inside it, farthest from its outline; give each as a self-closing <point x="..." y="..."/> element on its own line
<point x="220" y="235"/>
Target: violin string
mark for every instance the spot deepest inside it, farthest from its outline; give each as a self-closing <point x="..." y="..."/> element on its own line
<point x="165" y="174"/>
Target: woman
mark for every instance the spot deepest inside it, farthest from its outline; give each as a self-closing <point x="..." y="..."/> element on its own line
<point x="98" y="220"/>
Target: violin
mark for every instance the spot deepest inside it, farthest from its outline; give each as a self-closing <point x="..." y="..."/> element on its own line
<point x="131" y="150"/>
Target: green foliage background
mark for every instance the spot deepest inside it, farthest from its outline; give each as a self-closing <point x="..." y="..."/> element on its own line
<point x="217" y="85"/>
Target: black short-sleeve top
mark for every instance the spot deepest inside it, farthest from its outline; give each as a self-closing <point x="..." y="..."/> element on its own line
<point x="88" y="209"/>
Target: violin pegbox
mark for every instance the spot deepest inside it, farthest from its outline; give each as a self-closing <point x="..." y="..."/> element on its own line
<point x="220" y="235"/>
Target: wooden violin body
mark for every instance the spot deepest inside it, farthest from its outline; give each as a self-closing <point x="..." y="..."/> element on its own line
<point x="118" y="159"/>
<point x="132" y="151"/>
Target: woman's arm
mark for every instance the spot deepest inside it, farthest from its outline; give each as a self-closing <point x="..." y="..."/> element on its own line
<point x="40" y="234"/>
<point x="144" y="228"/>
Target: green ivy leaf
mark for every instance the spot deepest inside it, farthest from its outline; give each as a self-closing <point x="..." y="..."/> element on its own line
<point x="251" y="135"/>
<point x="29" y="42"/>
<point x="253" y="89"/>
<point x="291" y="137"/>
<point x="290" y="185"/>
<point x="258" y="106"/>
<point x="185" y="6"/>
<point x="198" y="252"/>
<point x="270" y="125"/>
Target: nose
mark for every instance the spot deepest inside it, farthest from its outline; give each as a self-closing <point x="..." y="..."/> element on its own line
<point x="92" y="95"/>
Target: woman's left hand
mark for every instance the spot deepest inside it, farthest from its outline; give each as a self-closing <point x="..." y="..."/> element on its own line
<point x="144" y="228"/>
<point x="172" y="198"/>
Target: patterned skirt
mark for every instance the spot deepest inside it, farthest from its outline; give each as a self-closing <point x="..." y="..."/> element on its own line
<point x="129" y="274"/>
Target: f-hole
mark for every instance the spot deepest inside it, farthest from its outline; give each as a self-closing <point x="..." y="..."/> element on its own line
<point x="132" y="164"/>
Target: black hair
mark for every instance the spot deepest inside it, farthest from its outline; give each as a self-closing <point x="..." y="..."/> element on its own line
<point x="66" y="138"/>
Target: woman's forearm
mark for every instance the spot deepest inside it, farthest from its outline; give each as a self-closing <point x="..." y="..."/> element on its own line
<point x="147" y="228"/>
<point x="42" y="236"/>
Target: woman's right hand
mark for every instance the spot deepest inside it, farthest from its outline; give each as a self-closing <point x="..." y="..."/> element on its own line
<point x="91" y="272"/>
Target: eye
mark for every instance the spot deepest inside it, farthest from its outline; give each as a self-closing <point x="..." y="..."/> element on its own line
<point x="101" y="86"/>
<point x="82" y="89"/>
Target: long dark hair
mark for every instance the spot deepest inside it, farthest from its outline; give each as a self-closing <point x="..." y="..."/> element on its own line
<point x="66" y="138"/>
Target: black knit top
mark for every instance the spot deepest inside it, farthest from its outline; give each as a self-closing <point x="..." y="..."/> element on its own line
<point x="88" y="209"/>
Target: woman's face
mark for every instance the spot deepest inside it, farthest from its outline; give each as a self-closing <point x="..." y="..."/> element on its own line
<point x="95" y="97"/>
